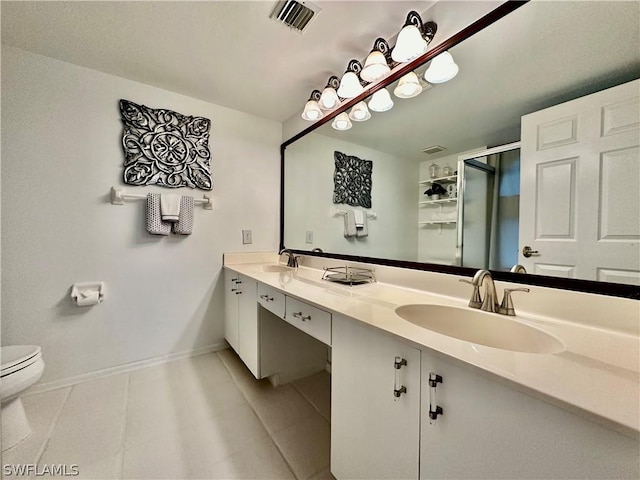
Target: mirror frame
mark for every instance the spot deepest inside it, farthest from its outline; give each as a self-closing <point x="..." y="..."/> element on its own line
<point x="586" y="286"/>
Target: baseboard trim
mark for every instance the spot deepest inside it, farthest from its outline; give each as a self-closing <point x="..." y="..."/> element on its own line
<point x="128" y="367"/>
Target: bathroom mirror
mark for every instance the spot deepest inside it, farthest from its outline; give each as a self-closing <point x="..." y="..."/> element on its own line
<point x="540" y="55"/>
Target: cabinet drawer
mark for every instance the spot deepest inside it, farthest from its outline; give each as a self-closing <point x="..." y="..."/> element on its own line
<point x="311" y="320"/>
<point x="271" y="299"/>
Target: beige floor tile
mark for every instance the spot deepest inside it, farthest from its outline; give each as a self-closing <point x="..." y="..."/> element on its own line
<point x="109" y="468"/>
<point x="91" y="424"/>
<point x="281" y="407"/>
<point x="259" y="460"/>
<point x="317" y="389"/>
<point x="42" y="410"/>
<point x="242" y="376"/>
<point x="174" y="456"/>
<point x="191" y="451"/>
<point x="162" y="406"/>
<point x="160" y="415"/>
<point x="306" y="446"/>
<point x="323" y="475"/>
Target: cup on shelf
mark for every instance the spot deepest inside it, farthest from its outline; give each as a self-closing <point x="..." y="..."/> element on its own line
<point x="452" y="190"/>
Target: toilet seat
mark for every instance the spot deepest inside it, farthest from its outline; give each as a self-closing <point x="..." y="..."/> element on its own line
<point x="17" y="357"/>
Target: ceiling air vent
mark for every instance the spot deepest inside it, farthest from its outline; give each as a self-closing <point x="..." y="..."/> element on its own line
<point x="295" y="15"/>
<point x="433" y="149"/>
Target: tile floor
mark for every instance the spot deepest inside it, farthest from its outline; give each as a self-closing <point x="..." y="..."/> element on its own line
<point x="201" y="417"/>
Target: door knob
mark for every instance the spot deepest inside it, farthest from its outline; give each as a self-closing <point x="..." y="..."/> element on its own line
<point x="527" y="251"/>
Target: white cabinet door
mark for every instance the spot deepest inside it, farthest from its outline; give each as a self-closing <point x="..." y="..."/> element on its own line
<point x="374" y="434"/>
<point x="231" y="307"/>
<point x="241" y="327"/>
<point x="248" y="327"/>
<point x="489" y="430"/>
<point x="580" y="195"/>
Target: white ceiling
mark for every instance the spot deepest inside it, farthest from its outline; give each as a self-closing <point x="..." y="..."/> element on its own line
<point x="226" y="52"/>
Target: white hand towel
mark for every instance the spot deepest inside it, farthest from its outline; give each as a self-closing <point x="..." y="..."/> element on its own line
<point x="362" y="231"/>
<point x="359" y="217"/>
<point x="349" y="224"/>
<point x="155" y="225"/>
<point x="184" y="225"/>
<point x="170" y="207"/>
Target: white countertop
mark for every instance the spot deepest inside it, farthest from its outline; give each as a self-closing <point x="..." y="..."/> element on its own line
<point x="597" y="374"/>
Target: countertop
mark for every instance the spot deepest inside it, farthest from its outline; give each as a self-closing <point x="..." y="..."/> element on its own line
<point x="597" y="375"/>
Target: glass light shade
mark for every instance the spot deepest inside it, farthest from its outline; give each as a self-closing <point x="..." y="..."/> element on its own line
<point x="381" y="101"/>
<point x="442" y="69"/>
<point x="375" y="67"/>
<point x="312" y="111"/>
<point x="410" y="45"/>
<point x="408" y="86"/>
<point x="350" y="86"/>
<point x="360" y="112"/>
<point x="329" y="99"/>
<point x="341" y="122"/>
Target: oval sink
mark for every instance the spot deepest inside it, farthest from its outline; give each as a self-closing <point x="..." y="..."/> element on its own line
<point x="475" y="326"/>
<point x="276" y="268"/>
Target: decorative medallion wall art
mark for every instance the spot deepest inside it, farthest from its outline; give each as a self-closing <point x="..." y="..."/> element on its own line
<point x="165" y="148"/>
<point x="352" y="180"/>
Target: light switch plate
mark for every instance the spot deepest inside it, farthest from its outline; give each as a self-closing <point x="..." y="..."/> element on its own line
<point x="246" y="237"/>
<point x="309" y="237"/>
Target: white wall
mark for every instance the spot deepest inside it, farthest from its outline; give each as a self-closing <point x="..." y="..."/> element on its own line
<point x="61" y="150"/>
<point x="309" y="197"/>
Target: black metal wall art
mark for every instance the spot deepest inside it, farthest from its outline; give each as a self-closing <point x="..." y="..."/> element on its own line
<point x="352" y="180"/>
<point x="165" y="148"/>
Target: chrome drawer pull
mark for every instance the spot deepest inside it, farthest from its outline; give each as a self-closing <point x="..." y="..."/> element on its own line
<point x="302" y="317"/>
<point x="266" y="298"/>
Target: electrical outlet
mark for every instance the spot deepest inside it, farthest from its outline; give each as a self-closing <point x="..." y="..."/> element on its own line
<point x="309" y="238"/>
<point x="246" y="237"/>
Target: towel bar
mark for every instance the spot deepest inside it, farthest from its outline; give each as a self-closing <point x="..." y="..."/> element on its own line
<point x="335" y="212"/>
<point x="119" y="196"/>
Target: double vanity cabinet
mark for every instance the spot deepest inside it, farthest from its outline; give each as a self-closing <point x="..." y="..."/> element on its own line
<point x="400" y="409"/>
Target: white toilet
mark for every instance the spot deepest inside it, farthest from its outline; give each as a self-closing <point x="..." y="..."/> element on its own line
<point x="22" y="366"/>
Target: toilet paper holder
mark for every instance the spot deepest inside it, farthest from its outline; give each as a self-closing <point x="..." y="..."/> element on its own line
<point x="87" y="293"/>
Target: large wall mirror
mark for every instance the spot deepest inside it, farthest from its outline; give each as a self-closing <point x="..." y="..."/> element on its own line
<point x="494" y="168"/>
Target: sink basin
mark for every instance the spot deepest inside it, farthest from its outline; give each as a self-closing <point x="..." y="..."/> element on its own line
<point x="276" y="268"/>
<point x="475" y="326"/>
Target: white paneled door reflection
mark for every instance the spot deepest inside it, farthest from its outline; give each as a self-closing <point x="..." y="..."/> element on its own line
<point x="580" y="187"/>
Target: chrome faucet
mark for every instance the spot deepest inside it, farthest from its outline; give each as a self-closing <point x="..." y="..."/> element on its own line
<point x="518" y="269"/>
<point x="292" y="261"/>
<point x="489" y="302"/>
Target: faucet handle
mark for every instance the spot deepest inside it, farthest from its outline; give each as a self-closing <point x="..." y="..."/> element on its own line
<point x="506" y="307"/>
<point x="476" y="300"/>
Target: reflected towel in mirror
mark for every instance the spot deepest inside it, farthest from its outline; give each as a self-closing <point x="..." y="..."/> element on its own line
<point x="362" y="230"/>
<point x="349" y="224"/>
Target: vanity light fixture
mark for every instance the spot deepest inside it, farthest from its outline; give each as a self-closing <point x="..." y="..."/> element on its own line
<point x="376" y="66"/>
<point x="442" y="69"/>
<point x="360" y="112"/>
<point x="413" y="39"/>
<point x="329" y="97"/>
<point x="342" y="122"/>
<point x="381" y="101"/>
<point x="312" y="110"/>
<point x="408" y="86"/>
<point x="350" y="85"/>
